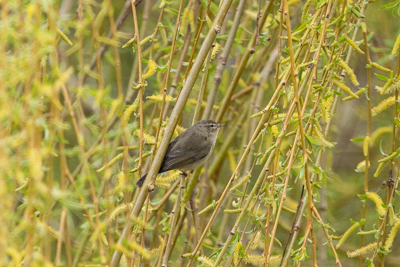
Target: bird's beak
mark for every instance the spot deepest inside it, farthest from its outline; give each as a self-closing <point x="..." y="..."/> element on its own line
<point x="221" y="125"/>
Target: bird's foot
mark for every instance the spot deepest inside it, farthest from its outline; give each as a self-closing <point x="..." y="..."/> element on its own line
<point x="184" y="174"/>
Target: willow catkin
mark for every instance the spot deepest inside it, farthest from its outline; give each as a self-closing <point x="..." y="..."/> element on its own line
<point x="366" y="145"/>
<point x="396" y="45"/>
<point x="206" y="261"/>
<point x="378" y="202"/>
<point x="361" y="251"/>
<point x="152" y="69"/>
<point x="347" y="234"/>
<point x="383" y="105"/>
<point x="345" y="88"/>
<point x="392" y="234"/>
<point x="238" y="246"/>
<point x="349" y="72"/>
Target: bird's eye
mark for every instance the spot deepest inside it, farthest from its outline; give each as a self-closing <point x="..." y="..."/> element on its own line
<point x="211" y="125"/>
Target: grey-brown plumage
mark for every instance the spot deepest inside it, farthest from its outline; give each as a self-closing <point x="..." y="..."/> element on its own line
<point x="191" y="149"/>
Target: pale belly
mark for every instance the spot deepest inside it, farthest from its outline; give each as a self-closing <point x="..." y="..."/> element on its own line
<point x="198" y="163"/>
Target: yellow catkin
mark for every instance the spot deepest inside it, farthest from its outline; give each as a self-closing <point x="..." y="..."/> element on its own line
<point x="209" y="22"/>
<point x="163" y="185"/>
<point x="208" y="208"/>
<point x="127" y="113"/>
<point x="386" y="103"/>
<point x="110" y="42"/>
<point x="392" y="234"/>
<point x="345" y="88"/>
<point x="170" y="178"/>
<point x="129" y="42"/>
<point x="354" y="45"/>
<point x="259" y="260"/>
<point x="379" y="169"/>
<point x="238" y="246"/>
<point x="114" y="160"/>
<point x="358" y="93"/>
<point x="159" y="98"/>
<point x="347" y="234"/>
<point x="147" y="138"/>
<point x="152" y="69"/>
<point x="141" y="223"/>
<point x="366" y="145"/>
<point x="378" y="202"/>
<point x="321" y="138"/>
<point x="244" y="180"/>
<point x="180" y="129"/>
<point x="191" y="20"/>
<point x="326" y="105"/>
<point x="64" y="37"/>
<point x="378" y="132"/>
<point x="206" y="261"/>
<point x="349" y="72"/>
<point x="372" y="232"/>
<point x="361" y="251"/>
<point x="185" y="20"/>
<point x="385" y="89"/>
<point x="379" y="67"/>
<point x="256" y="241"/>
<point x="361" y="165"/>
<point x="118" y="210"/>
<point x="274" y="130"/>
<point x="142" y="251"/>
<point x="145" y="155"/>
<point x="394" y="86"/>
<point x="155" y="252"/>
<point x="233" y="211"/>
<point x="146" y="39"/>
<point x="396" y="45"/>
<point x="215" y="50"/>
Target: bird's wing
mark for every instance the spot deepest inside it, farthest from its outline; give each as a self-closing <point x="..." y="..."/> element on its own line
<point x="184" y="153"/>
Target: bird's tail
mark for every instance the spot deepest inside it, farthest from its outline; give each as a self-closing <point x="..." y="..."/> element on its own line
<point x="141" y="181"/>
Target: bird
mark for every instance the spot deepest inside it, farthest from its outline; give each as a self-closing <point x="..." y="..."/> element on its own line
<point x="191" y="149"/>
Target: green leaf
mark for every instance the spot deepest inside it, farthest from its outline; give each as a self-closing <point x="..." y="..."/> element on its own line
<point x="358" y="139"/>
<point x="381" y="77"/>
<point x="389" y="5"/>
<point x="312" y="140"/>
<point x="357" y="13"/>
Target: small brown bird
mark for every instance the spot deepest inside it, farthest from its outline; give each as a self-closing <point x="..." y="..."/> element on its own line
<point x="191" y="149"/>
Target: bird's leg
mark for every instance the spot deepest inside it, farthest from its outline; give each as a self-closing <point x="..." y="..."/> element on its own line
<point x="184" y="174"/>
